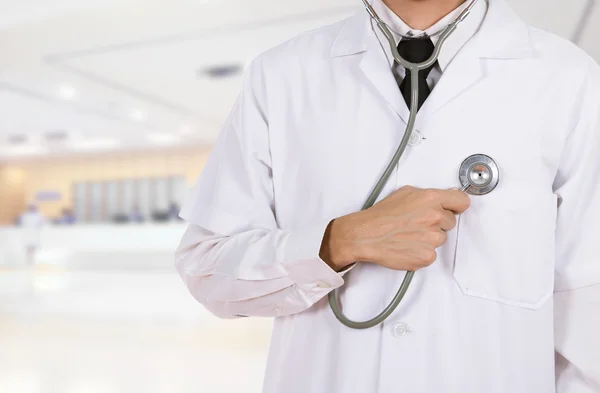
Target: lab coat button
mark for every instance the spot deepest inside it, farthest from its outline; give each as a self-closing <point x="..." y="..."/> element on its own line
<point x="323" y="285"/>
<point x="415" y="138"/>
<point x="400" y="330"/>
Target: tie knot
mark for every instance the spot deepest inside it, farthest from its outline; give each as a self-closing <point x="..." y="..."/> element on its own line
<point x="416" y="50"/>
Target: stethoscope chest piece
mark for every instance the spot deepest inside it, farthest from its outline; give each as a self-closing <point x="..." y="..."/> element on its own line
<point x="479" y="174"/>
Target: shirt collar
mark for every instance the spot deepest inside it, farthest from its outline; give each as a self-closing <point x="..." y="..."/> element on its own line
<point x="465" y="30"/>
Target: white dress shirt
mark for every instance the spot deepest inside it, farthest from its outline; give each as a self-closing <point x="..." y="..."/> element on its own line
<point x="315" y="124"/>
<point x="453" y="44"/>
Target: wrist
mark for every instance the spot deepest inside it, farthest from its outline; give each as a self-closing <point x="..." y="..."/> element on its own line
<point x="339" y="249"/>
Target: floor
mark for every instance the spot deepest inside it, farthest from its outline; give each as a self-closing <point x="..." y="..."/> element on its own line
<point x="64" y="331"/>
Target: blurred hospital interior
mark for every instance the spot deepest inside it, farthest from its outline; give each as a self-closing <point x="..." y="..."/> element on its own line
<point x="108" y="112"/>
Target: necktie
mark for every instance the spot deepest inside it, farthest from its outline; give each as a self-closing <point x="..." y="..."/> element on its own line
<point x="416" y="50"/>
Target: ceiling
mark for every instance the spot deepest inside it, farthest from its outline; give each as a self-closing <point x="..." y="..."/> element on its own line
<point x="92" y="75"/>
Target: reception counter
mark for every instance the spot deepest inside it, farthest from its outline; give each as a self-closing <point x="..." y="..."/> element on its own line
<point x="127" y="246"/>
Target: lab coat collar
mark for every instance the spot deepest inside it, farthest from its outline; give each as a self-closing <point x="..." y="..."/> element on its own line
<point x="503" y="35"/>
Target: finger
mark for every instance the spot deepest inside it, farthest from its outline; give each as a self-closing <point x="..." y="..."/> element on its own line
<point x="455" y="201"/>
<point x="421" y="254"/>
<point x="434" y="238"/>
<point x="425" y="256"/>
<point x="443" y="236"/>
<point x="448" y="221"/>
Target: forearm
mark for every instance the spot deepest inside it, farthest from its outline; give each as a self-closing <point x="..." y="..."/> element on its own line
<point x="255" y="273"/>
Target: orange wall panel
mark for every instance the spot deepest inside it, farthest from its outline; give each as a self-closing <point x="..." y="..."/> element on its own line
<point x="12" y="193"/>
<point x="20" y="183"/>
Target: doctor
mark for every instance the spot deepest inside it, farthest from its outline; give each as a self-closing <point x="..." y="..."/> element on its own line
<point x="506" y="293"/>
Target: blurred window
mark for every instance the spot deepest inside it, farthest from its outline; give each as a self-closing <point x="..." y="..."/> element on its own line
<point x="144" y="197"/>
<point x="111" y="201"/>
<point x="79" y="201"/>
<point x="97" y="202"/>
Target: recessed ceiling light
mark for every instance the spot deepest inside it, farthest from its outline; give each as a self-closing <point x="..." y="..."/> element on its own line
<point x="56" y="136"/>
<point x="138" y="115"/>
<point x="17" y="139"/>
<point x="67" y="93"/>
<point x="221" y="71"/>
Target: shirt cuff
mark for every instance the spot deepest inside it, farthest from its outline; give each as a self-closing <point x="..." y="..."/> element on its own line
<point x="304" y="266"/>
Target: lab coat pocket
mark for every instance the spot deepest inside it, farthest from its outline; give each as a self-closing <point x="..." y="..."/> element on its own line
<point x="505" y="249"/>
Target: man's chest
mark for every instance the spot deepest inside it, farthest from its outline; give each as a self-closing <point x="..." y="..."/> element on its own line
<point x="339" y="141"/>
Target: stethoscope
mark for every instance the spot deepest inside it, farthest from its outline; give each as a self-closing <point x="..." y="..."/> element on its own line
<point x="478" y="174"/>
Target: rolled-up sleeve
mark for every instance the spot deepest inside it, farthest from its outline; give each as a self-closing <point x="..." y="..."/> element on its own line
<point x="577" y="279"/>
<point x="234" y="258"/>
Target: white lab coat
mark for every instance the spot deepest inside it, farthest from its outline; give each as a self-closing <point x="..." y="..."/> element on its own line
<point x="316" y="123"/>
<point x="31" y="228"/>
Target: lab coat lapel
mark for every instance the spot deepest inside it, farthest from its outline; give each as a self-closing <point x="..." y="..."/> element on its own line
<point x="378" y="73"/>
<point x="463" y="73"/>
<point x="503" y="35"/>
<point x="358" y="38"/>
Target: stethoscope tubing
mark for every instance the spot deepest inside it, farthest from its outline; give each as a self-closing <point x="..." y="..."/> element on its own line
<point x="414" y="69"/>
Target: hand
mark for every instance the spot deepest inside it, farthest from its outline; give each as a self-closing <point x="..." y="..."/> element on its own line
<point x="401" y="232"/>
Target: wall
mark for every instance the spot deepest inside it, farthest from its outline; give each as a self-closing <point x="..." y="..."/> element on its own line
<point x="59" y="174"/>
<point x="12" y="193"/>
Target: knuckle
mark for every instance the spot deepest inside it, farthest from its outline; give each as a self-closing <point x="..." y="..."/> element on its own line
<point x="430" y="195"/>
<point x="435" y="216"/>
<point x="453" y="222"/>
<point x="438" y="238"/>
<point x="428" y="256"/>
<point x="406" y="191"/>
<point x="433" y="238"/>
